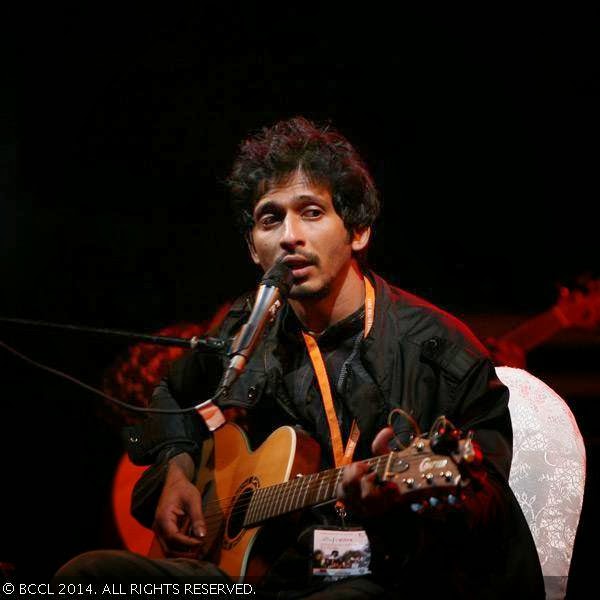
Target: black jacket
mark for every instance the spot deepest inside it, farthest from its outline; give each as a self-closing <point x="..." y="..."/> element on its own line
<point x="429" y="364"/>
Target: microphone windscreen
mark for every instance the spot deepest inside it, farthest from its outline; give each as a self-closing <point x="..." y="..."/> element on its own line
<point x="279" y="276"/>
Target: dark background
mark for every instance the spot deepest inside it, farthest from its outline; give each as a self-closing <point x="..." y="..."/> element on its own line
<point x="117" y="131"/>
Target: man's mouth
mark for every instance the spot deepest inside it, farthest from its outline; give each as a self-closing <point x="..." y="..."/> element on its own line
<point x="298" y="265"/>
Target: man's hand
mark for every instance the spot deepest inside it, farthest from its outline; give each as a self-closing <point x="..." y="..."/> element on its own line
<point x="178" y="522"/>
<point x="360" y="490"/>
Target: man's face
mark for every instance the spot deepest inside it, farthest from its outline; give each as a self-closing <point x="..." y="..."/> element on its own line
<point x="297" y="220"/>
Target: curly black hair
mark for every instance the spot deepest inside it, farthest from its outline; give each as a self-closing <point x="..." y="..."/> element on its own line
<point x="324" y="156"/>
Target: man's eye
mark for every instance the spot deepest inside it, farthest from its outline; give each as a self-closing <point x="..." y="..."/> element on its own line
<point x="313" y="213"/>
<point x="267" y="220"/>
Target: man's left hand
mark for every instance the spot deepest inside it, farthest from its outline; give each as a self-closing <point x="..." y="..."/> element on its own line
<point x="361" y="491"/>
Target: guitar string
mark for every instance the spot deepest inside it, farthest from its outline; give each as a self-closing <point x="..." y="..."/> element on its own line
<point x="319" y="482"/>
<point x="326" y="476"/>
<point x="407" y="454"/>
<point x="220" y="517"/>
<point x="241" y="507"/>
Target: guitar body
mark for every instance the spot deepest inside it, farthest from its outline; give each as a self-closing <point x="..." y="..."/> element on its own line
<point x="229" y="473"/>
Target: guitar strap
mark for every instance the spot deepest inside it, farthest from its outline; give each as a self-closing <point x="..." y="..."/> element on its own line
<point x="341" y="456"/>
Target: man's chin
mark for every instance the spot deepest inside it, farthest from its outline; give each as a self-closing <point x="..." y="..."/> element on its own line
<point x="307" y="290"/>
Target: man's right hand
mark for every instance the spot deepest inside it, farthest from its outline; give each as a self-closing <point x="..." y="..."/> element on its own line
<point x="178" y="522"/>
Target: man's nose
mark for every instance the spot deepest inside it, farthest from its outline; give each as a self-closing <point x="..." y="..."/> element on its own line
<point x="292" y="234"/>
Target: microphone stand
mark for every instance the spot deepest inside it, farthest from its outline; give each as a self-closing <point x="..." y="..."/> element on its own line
<point x="199" y="344"/>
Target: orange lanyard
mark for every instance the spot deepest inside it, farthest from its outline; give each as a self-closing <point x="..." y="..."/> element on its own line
<point x="342" y="457"/>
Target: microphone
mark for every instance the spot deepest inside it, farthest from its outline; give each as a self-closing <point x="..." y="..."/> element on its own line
<point x="272" y="291"/>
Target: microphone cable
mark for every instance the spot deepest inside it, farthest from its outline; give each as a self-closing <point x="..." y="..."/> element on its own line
<point x="90" y="388"/>
<point x="278" y="276"/>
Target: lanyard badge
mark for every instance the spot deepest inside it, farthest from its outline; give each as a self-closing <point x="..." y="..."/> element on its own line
<point x="340" y="552"/>
<point x="342" y="456"/>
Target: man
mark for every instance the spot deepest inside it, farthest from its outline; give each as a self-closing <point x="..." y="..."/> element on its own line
<point x="304" y="196"/>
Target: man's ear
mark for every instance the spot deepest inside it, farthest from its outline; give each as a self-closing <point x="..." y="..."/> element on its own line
<point x="360" y="239"/>
<point x="251" y="248"/>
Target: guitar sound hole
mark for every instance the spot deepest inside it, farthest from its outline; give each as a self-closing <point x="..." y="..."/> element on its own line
<point x="235" y="524"/>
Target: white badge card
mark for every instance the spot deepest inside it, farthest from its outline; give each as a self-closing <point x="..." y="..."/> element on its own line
<point x="341" y="553"/>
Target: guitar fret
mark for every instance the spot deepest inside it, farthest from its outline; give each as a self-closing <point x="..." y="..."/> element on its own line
<point x="269" y="497"/>
<point x="287" y="505"/>
<point x="328" y="480"/>
<point x="303" y="491"/>
<point x="270" y="494"/>
<point x="272" y="501"/>
<point x="268" y="503"/>
<point x="256" y="505"/>
<point x="293" y="486"/>
<point x="307" y="490"/>
<point x="320" y="477"/>
<point x="296" y="496"/>
<point x="263" y="510"/>
<point x="259" y="495"/>
<point x="336" y="483"/>
<point x="251" y="507"/>
<point x="298" y="503"/>
<point x="260" y="504"/>
<point x="305" y="481"/>
<point x="280" y="501"/>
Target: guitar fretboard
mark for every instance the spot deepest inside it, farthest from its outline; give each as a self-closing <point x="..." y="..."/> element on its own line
<point x="308" y="490"/>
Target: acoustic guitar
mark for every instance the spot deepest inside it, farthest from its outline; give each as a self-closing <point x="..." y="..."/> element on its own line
<point x="242" y="489"/>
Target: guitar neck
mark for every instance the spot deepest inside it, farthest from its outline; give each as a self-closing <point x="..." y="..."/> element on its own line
<point x="537" y="330"/>
<point x="302" y="492"/>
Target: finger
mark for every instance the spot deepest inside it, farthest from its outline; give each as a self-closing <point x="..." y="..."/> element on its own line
<point x="381" y="443"/>
<point x="172" y="535"/>
<point x="180" y="541"/>
<point x="353" y="473"/>
<point x="174" y="530"/>
<point x="349" y="486"/>
<point x="181" y="548"/>
<point x="167" y="521"/>
<point x="368" y="486"/>
<point x="197" y="525"/>
<point x="177" y="542"/>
